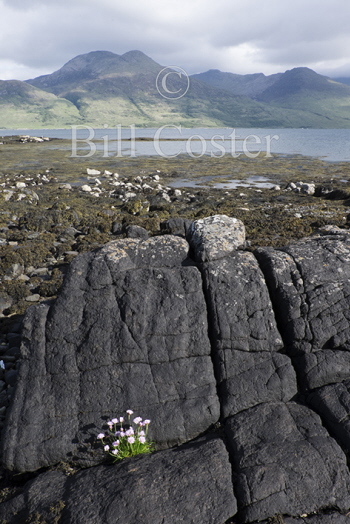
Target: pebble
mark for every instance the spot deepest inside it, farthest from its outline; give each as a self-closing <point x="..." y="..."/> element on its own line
<point x="11" y="377"/>
<point x="86" y="188"/>
<point x="40" y="271"/>
<point x="33" y="298"/>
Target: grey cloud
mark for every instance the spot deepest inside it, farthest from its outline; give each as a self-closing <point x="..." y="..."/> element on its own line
<point x="196" y="36"/>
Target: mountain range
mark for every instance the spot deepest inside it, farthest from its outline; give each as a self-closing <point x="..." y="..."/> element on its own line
<point x="101" y="88"/>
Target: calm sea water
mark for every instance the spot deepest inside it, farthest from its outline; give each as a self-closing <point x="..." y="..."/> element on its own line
<point x="327" y="144"/>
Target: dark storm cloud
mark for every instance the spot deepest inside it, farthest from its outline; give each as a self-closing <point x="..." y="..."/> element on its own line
<point x="38" y="37"/>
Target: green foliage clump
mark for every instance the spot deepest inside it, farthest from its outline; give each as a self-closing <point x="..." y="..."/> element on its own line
<point x="126" y="440"/>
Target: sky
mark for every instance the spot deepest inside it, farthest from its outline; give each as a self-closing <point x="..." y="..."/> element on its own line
<point x="38" y="37"/>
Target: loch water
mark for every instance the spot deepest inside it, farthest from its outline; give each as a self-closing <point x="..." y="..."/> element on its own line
<point x="327" y="144"/>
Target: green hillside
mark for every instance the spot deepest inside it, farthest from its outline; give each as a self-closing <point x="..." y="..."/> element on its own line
<point x="304" y="90"/>
<point x="112" y="89"/>
<point x="317" y="100"/>
<point x="24" y="106"/>
<point x="103" y="88"/>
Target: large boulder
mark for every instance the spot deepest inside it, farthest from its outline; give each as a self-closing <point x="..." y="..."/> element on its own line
<point x="193" y="338"/>
<point x="322" y="367"/>
<point x="285" y="462"/>
<point x="332" y="403"/>
<point x="244" y="335"/>
<point x="191" y="484"/>
<point x="309" y="282"/>
<point x="129" y="330"/>
<point x="215" y="237"/>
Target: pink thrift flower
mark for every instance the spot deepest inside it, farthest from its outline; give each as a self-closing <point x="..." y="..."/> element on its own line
<point x="142" y="439"/>
<point x="110" y="423"/>
<point x="106" y="448"/>
<point x="100" y="435"/>
<point x="115" y="452"/>
<point x="129" y="411"/>
<point x="115" y="443"/>
<point x="137" y="420"/>
<point x="142" y="433"/>
<point x="121" y="419"/>
<point x="115" y="420"/>
<point x="146" y="422"/>
<point x="129" y="432"/>
<point x="131" y="440"/>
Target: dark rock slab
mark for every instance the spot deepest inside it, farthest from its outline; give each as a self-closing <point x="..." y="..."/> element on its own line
<point x="239" y="305"/>
<point x="332" y="403"/>
<point x="128" y="331"/>
<point x="41" y="501"/>
<point x="285" y="462"/>
<point x="189" y="484"/>
<point x="322" y="367"/>
<point x="244" y="335"/>
<point x="309" y="283"/>
<point x="252" y="378"/>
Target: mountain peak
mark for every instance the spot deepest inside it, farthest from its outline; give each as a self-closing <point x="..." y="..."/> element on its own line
<point x="135" y="55"/>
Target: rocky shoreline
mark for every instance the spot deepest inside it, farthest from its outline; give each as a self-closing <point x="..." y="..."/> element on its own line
<point x="54" y="207"/>
<point x="239" y="358"/>
<point x="242" y="347"/>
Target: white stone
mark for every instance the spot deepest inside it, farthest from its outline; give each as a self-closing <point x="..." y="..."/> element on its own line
<point x="166" y="197"/>
<point x="308" y="189"/>
<point x="33" y="298"/>
<point x="20" y="185"/>
<point x="93" y="171"/>
<point x="86" y="188"/>
<point x="130" y="195"/>
<point x="215" y="237"/>
<point x="8" y="194"/>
